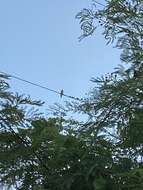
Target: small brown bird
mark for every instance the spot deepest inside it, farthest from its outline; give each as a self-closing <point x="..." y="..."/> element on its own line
<point x="61" y="93"/>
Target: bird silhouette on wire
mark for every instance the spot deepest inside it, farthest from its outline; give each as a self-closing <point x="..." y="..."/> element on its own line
<point x="61" y="93"/>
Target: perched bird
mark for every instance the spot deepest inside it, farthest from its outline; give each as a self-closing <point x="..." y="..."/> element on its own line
<point x="61" y="93"/>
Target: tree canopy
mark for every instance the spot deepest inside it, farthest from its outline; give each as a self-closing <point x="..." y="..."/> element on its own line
<point x="105" y="152"/>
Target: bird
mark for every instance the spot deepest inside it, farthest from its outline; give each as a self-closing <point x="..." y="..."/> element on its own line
<point x="61" y="93"/>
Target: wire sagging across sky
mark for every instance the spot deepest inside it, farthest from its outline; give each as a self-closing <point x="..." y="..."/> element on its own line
<point x="61" y="93"/>
<point x="98" y="3"/>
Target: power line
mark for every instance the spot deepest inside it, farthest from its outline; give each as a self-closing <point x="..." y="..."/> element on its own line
<point x="99" y="3"/>
<point x="43" y="87"/>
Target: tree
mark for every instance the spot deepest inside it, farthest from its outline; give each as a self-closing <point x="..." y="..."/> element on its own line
<point x="13" y="117"/>
<point x="106" y="151"/>
<point x="122" y="22"/>
<point x="116" y="106"/>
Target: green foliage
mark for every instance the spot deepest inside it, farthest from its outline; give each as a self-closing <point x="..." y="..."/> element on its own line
<point x="13" y="117"/>
<point x="122" y="21"/>
<point x="103" y="153"/>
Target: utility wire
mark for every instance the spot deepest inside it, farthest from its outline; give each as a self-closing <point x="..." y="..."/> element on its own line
<point x="43" y="87"/>
<point x="99" y="3"/>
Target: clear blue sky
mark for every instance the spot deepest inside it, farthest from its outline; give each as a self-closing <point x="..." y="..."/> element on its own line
<point x="39" y="42"/>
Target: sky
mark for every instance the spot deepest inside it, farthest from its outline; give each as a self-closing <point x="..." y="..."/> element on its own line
<point x="39" y="43"/>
